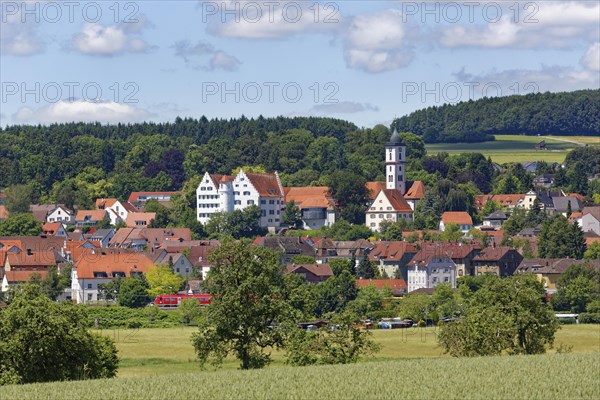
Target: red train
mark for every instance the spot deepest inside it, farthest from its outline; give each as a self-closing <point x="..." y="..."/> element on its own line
<point x="173" y="300"/>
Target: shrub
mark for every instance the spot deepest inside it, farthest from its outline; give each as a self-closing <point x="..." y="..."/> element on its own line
<point x="589" y="318"/>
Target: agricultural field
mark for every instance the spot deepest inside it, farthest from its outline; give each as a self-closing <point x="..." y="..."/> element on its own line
<point x="550" y="376"/>
<point x="160" y="351"/>
<point x="518" y="148"/>
<point x="159" y="364"/>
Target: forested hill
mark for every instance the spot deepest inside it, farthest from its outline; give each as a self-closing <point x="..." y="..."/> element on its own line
<point x="568" y="113"/>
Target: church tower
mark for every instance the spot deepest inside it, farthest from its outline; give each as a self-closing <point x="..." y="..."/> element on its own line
<point x="395" y="164"/>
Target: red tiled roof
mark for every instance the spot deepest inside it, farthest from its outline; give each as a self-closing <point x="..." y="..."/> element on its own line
<point x="455" y="251"/>
<point x="580" y="197"/>
<point x="267" y="185"/>
<point x="309" y="196"/>
<point x="492" y="253"/>
<point x="43" y="258"/>
<point x="13" y="276"/>
<point x="374" y="188"/>
<point x="458" y="217"/>
<point x="415" y="191"/>
<point x="316" y="269"/>
<point x="105" y="203"/>
<point x="394" y="284"/>
<point x="215" y="178"/>
<point x="95" y="215"/>
<point x="506" y="200"/>
<point x="110" y="263"/>
<point x="50" y="228"/>
<point x="391" y="251"/>
<point x="133" y="217"/>
<point x="396" y="201"/>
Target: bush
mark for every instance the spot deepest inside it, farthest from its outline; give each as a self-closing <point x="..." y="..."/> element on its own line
<point x="589" y="318"/>
<point x="42" y="341"/>
<point x="111" y="317"/>
<point x="567" y="321"/>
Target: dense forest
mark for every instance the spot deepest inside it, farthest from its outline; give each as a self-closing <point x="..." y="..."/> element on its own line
<point x="569" y="113"/>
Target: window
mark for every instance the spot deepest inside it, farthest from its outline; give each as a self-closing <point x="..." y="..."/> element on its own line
<point x="263" y="201"/>
<point x="390" y="178"/>
<point x="177" y="270"/>
<point x="372" y="223"/>
<point x="271" y="212"/>
<point x="238" y="202"/>
<point x="250" y="202"/>
<point x="372" y="215"/>
<point x="90" y="297"/>
<point x="388" y="208"/>
<point x="399" y="177"/>
<point x="246" y="193"/>
<point x="446" y="279"/>
<point x="89" y="285"/>
<point x="263" y="213"/>
<point x="271" y="201"/>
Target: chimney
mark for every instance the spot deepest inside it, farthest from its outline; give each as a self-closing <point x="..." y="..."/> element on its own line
<point x="29" y="252"/>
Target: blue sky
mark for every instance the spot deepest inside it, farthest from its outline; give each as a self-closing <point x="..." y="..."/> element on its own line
<point x="366" y="62"/>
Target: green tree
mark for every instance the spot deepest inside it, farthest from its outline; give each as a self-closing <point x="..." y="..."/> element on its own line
<point x="302" y="259"/>
<point x="162" y="280"/>
<point x="133" y="292"/>
<point x="42" y="341"/>
<point x="246" y="284"/>
<point x="190" y="310"/>
<point x="368" y="301"/>
<point x="415" y="307"/>
<point x="18" y="198"/>
<point x="578" y="286"/>
<point x="392" y="231"/>
<point x="366" y="269"/>
<point x="20" y="225"/>
<point x="504" y="314"/>
<point x="238" y="224"/>
<point x="592" y="252"/>
<point x="335" y="293"/>
<point x="350" y="194"/>
<point x="516" y="222"/>
<point x="444" y="302"/>
<point x="342" y="343"/>
<point x="292" y="216"/>
<point x="561" y="239"/>
<point x="452" y="232"/>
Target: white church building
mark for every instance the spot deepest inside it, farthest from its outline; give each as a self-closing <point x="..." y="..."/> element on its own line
<point x="223" y="193"/>
<point x="392" y="203"/>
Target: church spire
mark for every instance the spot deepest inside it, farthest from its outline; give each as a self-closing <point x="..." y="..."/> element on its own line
<point x="395" y="159"/>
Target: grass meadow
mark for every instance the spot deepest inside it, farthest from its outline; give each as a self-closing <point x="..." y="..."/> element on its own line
<point x="160" y="364"/>
<point x="518" y="148"/>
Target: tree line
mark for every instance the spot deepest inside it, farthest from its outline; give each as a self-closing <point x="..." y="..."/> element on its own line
<point x="567" y="113"/>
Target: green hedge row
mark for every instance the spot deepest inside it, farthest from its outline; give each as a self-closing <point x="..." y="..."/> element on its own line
<point x="106" y="317"/>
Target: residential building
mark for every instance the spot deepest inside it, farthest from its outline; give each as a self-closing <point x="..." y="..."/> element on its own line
<point x="439" y="269"/>
<point x="90" y="217"/>
<point x="217" y="193"/>
<point x="139" y="199"/>
<point x="54" y="229"/>
<point x="117" y="211"/>
<point x="327" y="249"/>
<point x="545" y="181"/>
<point x="397" y="286"/>
<point x="312" y="273"/>
<point x="461" y="218"/>
<point x="566" y="205"/>
<point x="178" y="261"/>
<point x="496" y="219"/>
<point x="505" y="200"/>
<point x="21" y="262"/>
<point x="392" y="257"/>
<point x="102" y="237"/>
<point x="288" y="246"/>
<point x="548" y="270"/>
<point x="501" y="260"/>
<point x="462" y="255"/>
<point x="139" y="219"/>
<point x="199" y="256"/>
<point x="61" y="214"/>
<point x="96" y="269"/>
<point x="590" y="219"/>
<point x="150" y="238"/>
<point x="317" y="208"/>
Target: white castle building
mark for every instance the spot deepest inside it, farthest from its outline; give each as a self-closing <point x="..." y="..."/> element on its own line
<point x="223" y="193"/>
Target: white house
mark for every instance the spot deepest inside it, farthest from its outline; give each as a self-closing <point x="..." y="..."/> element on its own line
<point x="54" y="229"/>
<point x="94" y="269"/>
<point x="590" y="220"/>
<point x="222" y="193"/>
<point x="439" y="269"/>
<point x="61" y="214"/>
<point x="317" y="208"/>
<point x="116" y="210"/>
<point x="461" y="218"/>
<point x="417" y="277"/>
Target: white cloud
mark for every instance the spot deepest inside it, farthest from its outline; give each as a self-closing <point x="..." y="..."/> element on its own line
<point x="344" y="107"/>
<point x="377" y="42"/>
<point x="191" y="53"/>
<point x="221" y="60"/>
<point x="82" y="111"/>
<point x="109" y="40"/>
<point x="269" y="20"/>
<point x="523" y="81"/>
<point x="591" y="59"/>
<point x="539" y="25"/>
<point x="20" y="38"/>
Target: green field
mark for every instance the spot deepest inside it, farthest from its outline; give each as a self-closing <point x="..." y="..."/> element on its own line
<point x="146" y="352"/>
<point x="517" y="148"/>
<point x="159" y="364"/>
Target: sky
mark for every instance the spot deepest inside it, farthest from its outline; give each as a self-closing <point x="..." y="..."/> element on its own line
<point x="363" y="61"/>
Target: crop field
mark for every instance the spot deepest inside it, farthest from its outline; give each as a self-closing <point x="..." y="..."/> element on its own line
<point x="517" y="148"/>
<point x="550" y="376"/>
<point x="160" y="351"/>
